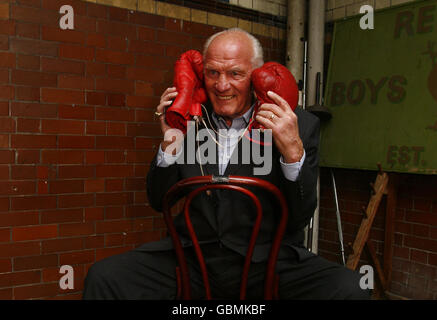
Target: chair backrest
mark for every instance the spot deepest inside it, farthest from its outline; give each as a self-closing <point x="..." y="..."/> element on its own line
<point x="205" y="183"/>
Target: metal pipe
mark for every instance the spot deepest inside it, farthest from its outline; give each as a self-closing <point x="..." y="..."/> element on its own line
<point x="337" y="212"/>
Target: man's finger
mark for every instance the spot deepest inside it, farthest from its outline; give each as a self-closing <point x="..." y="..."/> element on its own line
<point x="279" y="101"/>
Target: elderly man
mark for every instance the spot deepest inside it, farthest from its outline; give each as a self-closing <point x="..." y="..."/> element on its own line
<point x="222" y="219"/>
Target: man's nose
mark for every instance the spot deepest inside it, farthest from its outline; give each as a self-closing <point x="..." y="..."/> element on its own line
<point x="222" y="83"/>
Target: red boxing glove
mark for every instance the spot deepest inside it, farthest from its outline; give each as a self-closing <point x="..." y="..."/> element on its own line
<point x="188" y="80"/>
<point x="273" y="76"/>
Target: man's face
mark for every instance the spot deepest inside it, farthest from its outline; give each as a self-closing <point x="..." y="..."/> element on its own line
<point x="227" y="75"/>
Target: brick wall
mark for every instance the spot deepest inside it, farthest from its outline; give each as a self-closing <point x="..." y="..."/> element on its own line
<point x="77" y="133"/>
<point x="414" y="264"/>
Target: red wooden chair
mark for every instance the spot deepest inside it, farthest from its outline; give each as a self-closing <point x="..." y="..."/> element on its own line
<point x="230" y="183"/>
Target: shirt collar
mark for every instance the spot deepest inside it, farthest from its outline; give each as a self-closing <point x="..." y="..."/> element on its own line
<point x="237" y="123"/>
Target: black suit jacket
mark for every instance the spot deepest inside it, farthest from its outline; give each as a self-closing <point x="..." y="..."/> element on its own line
<point x="228" y="216"/>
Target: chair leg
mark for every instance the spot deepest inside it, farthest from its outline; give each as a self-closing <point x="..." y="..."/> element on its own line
<point x="276" y="288"/>
<point x="178" y="283"/>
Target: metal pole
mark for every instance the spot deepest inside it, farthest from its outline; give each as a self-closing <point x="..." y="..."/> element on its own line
<point x="340" y="231"/>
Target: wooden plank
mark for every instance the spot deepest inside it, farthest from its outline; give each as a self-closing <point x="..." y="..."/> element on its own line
<point x="392" y="188"/>
<point x="364" y="230"/>
<point x="379" y="270"/>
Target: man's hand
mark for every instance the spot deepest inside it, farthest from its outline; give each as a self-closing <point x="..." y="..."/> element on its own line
<point x="172" y="137"/>
<point x="281" y="119"/>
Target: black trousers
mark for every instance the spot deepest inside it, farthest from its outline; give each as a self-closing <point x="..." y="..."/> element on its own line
<point x="140" y="274"/>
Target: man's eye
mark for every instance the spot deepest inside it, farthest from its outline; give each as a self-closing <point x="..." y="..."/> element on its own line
<point x="212" y="73"/>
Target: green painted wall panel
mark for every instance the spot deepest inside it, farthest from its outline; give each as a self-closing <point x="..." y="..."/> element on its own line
<point x="382" y="92"/>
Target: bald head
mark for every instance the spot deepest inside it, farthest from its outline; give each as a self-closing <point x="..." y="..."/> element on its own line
<point x="234" y="38"/>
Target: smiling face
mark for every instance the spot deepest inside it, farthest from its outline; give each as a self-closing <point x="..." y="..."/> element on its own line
<point x="228" y="67"/>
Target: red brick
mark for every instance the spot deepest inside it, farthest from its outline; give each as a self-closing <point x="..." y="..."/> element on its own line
<point x="116" y="71"/>
<point x="143" y="224"/>
<point x="144" y="116"/>
<point x="33" y="141"/>
<point x="115" y="114"/>
<point x="419" y="256"/>
<point x="86" y="256"/>
<point x="61" y="216"/>
<point x="76" y="142"/>
<point x="145" y="33"/>
<point x="148" y="75"/>
<point x="96" y="40"/>
<point x="75" y="201"/>
<point x="95" y="127"/>
<point x="95" y="157"/>
<point x="79" y="6"/>
<point x="17" y="187"/>
<point x="7" y="27"/>
<point x="174" y="51"/>
<point x="135" y="184"/>
<point x="114" y="157"/>
<point x="116" y="100"/>
<point x="5" y="235"/>
<point x="7" y="156"/>
<point x="36" y="15"/>
<point x="62" y="96"/>
<point x="115" y="85"/>
<point x="117" y="43"/>
<point x="139" y="129"/>
<point x="107" y="252"/>
<point x="4" y="42"/>
<point x="4" y="76"/>
<point x="33" y="110"/>
<point x="143" y="89"/>
<point x="76" y="52"/>
<point x="7" y="59"/>
<point x="158" y="62"/>
<point x="177" y="38"/>
<point x="33" y="47"/>
<point x="96" y="98"/>
<point x="27" y="93"/>
<point x="59" y="35"/>
<point x="4" y="11"/>
<point x="62" y="66"/>
<point x="115" y="57"/>
<point x="95" y="69"/>
<point x="30" y="78"/>
<point x="114" y="142"/>
<point x="116" y="28"/>
<point x="94" y="242"/>
<point x="63" y="126"/>
<point x="66" y="172"/>
<point x="34" y="232"/>
<point x="92" y="214"/>
<point x="114" y="240"/>
<point x="66" y="186"/>
<point x="7" y="125"/>
<point x="76" y="229"/>
<point x="112" y="213"/>
<point x="95" y="185"/>
<point x="421" y="217"/>
<point x="75" y="82"/>
<point x="32" y="203"/>
<point x="116" y="129"/>
<point x="4" y="141"/>
<point x="420" y="243"/>
<point x="147" y="19"/>
<point x="35" y="262"/>
<point x="140" y="156"/>
<point x="76" y="112"/>
<point x="28" y="156"/>
<point x="19" y="219"/>
<point x="138" y="46"/>
<point x="37" y="291"/>
<point x="4" y="108"/>
<point x="422" y="204"/>
<point x="28" y="30"/>
<point x="62" y="156"/>
<point x="19" y="278"/>
<point x="5" y="265"/>
<point x="21" y="172"/>
<point x="61" y="245"/>
<point x="7" y="92"/>
<point x="111" y="199"/>
<point x="114" y="185"/>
